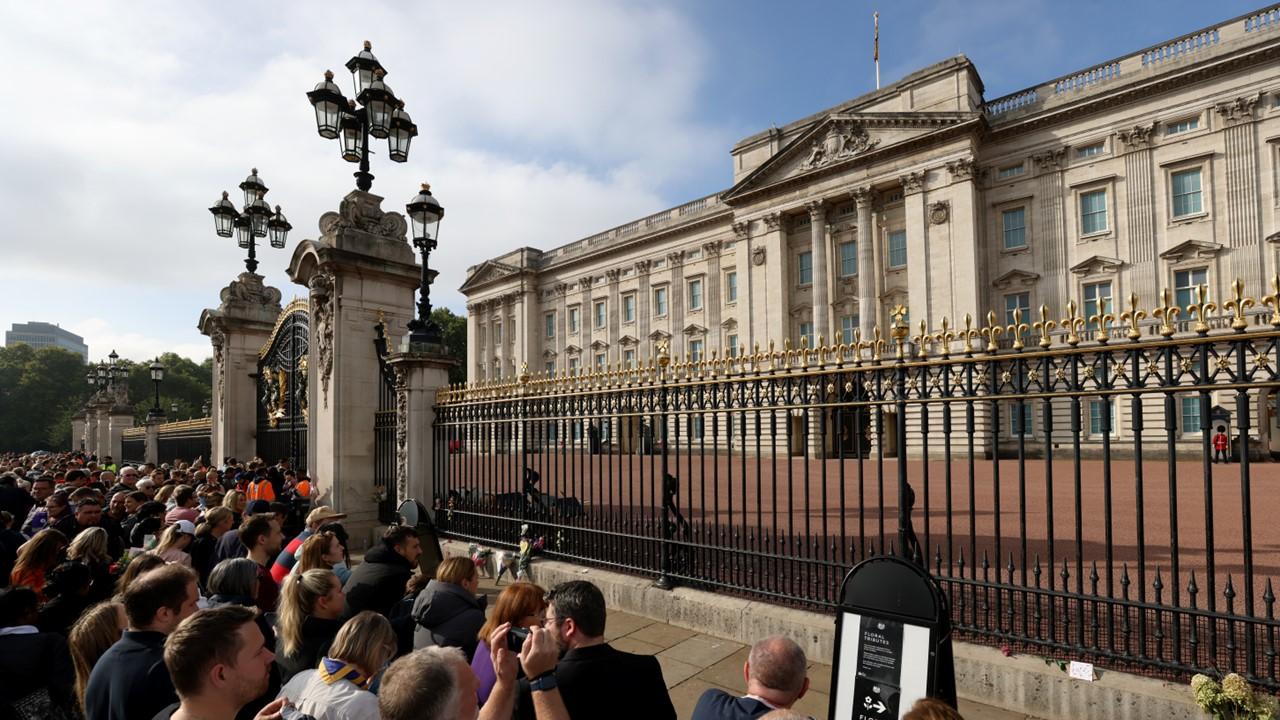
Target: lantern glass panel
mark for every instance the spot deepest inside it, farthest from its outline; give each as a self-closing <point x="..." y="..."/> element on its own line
<point x="352" y="139"/>
<point x="244" y="233"/>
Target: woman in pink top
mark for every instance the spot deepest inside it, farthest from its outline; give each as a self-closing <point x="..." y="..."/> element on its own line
<point x="173" y="544"/>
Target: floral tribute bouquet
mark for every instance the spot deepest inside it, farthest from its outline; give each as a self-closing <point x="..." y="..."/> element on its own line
<point x="480" y="556"/>
<point x="1232" y="699"/>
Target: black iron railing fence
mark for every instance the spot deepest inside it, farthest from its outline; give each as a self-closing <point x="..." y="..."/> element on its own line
<point x="1063" y="490"/>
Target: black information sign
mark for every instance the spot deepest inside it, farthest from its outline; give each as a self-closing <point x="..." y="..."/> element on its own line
<point x="878" y="683"/>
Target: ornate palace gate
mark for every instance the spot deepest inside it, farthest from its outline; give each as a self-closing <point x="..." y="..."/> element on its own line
<point x="384" y="431"/>
<point x="282" y="388"/>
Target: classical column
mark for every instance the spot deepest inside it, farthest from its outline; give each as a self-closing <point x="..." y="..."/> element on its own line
<point x="643" y="300"/>
<point x="1244" y="225"/>
<point x="968" y="273"/>
<point x="1140" y="215"/>
<point x="614" y="275"/>
<point x="1051" y="232"/>
<point x="360" y="272"/>
<point x="78" y="423"/>
<point x="474" y="311"/>
<point x="237" y="329"/>
<point x="562" y="324"/>
<point x="420" y="454"/>
<point x="918" y="257"/>
<point x="588" y="322"/>
<point x="679" y="347"/>
<point x="712" y="302"/>
<point x="770" y="254"/>
<point x="746" y="272"/>
<point x="818" y="245"/>
<point x="868" y="269"/>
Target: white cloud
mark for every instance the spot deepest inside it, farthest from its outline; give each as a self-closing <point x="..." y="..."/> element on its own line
<point x="102" y="337"/>
<point x="540" y="125"/>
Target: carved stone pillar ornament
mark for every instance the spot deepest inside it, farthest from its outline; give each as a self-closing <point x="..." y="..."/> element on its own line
<point x="742" y="230"/>
<point x="1240" y="110"/>
<point x="912" y="182"/>
<point x="772" y="221"/>
<point x="712" y="247"/>
<point x="962" y="169"/>
<point x="1137" y="137"/>
<point x="321" y="286"/>
<point x="218" y="338"/>
<point x="402" y="430"/>
<point x="1050" y="160"/>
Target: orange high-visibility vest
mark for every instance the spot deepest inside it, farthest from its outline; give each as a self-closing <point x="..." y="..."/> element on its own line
<point x="303" y="489"/>
<point x="260" y="490"/>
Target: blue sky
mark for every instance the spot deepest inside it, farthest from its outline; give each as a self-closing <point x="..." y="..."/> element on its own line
<point x="541" y="122"/>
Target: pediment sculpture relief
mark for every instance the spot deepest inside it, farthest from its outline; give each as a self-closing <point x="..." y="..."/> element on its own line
<point x="841" y="141"/>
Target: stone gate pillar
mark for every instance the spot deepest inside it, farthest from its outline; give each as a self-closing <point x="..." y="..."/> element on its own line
<point x="120" y="418"/>
<point x="419" y="376"/>
<point x="151" y="452"/>
<point x="237" y="329"/>
<point x="102" y="435"/>
<point x="360" y="269"/>
<point x="78" y="423"/>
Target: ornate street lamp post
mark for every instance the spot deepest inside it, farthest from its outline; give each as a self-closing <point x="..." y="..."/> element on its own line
<point x="255" y="220"/>
<point x="425" y="213"/>
<point x="382" y="115"/>
<point x="157" y="375"/>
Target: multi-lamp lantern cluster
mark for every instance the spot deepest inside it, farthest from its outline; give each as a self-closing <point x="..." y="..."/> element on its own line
<point x="255" y="220"/>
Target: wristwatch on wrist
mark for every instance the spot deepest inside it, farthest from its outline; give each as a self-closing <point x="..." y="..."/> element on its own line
<point x="545" y="681"/>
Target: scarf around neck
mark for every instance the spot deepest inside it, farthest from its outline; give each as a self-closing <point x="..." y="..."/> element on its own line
<point x="332" y="670"/>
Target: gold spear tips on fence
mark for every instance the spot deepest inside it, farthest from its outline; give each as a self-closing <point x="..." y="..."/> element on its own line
<point x="1238" y="304"/>
<point x="1201" y="309"/>
<point x="1132" y="316"/>
<point x="1018" y="329"/>
<point x="969" y="334"/>
<point x="858" y="345"/>
<point x="1102" y="320"/>
<point x="922" y="340"/>
<point x="945" y="337"/>
<point x="1072" y="323"/>
<point x="992" y="332"/>
<point x="1273" y="300"/>
<point x="877" y="344"/>
<point x="1044" y="326"/>
<point x="1168" y="313"/>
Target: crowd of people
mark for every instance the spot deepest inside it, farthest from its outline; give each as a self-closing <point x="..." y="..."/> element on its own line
<point x="219" y="593"/>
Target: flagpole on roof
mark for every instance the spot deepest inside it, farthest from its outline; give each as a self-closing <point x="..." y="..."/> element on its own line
<point x="876" y="55"/>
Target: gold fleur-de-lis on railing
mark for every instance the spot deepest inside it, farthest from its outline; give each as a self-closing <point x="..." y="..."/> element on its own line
<point x="1044" y="326"/>
<point x="1201" y="309"/>
<point x="945" y="337"/>
<point x="969" y="334"/>
<point x="898" y="329"/>
<point x="992" y="332"/>
<point x="1102" y="320"/>
<point x="858" y="345"/>
<point x="1072" y="323"/>
<point x="1273" y="300"/>
<point x="1168" y="313"/>
<point x="1237" y="305"/>
<point x="1017" y="329"/>
<point x="1132" y="316"/>
<point x="877" y="344"/>
<point x="922" y="341"/>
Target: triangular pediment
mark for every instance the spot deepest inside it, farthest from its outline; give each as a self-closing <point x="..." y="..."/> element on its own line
<point x="659" y="335"/>
<point x="628" y="341"/>
<point x="844" y="139"/>
<point x="1015" y="279"/>
<point x="694" y="329"/>
<point x="1098" y="264"/>
<point x="599" y="345"/>
<point x="729" y="324"/>
<point x="488" y="271"/>
<point x="572" y="350"/>
<point x="1192" y="250"/>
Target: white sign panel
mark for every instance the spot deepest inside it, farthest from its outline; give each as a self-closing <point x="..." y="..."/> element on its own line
<point x="883" y="668"/>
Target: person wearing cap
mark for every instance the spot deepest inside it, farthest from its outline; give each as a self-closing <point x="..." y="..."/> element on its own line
<point x="289" y="555"/>
<point x="175" y="541"/>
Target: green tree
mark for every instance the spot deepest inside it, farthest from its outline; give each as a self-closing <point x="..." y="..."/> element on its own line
<point x="455" y="341"/>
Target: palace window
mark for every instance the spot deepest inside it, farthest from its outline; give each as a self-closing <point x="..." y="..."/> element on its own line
<point x="806" y="335"/>
<point x="550" y="366"/>
<point x="695" y="350"/>
<point x="551" y="324"/>
<point x="1094" y="293"/>
<point x="1011" y="171"/>
<point x="1089" y="151"/>
<point x="848" y="323"/>
<point x="1186" y="193"/>
<point x="573" y="319"/>
<point x="1095" y="418"/>
<point x="1093" y="212"/>
<point x="629" y="357"/>
<point x="660" y="301"/>
<point x="1017" y="301"/>
<point x="1191" y="415"/>
<point x="731" y="346"/>
<point x="1015" y="228"/>
<point x="1185" y="283"/>
<point x="628" y="308"/>
<point x="848" y="259"/>
<point x="804" y="263"/>
<point x="1181" y="126"/>
<point x="573" y="366"/>
<point x="599" y="361"/>
<point x="695" y="294"/>
<point x="898" y="249"/>
<point x="601" y="314"/>
<point x="497" y="334"/>
<point x="731" y="287"/>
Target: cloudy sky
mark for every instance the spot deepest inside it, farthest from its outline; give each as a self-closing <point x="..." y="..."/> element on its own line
<point x="541" y="122"/>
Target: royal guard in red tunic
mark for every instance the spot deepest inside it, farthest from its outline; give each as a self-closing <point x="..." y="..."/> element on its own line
<point x="1220" y="444"/>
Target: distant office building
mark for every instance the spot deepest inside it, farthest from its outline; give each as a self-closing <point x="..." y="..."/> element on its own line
<point x="39" y="334"/>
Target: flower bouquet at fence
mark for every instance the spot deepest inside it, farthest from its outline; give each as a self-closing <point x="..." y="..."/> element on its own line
<point x="481" y="557"/>
<point x="1232" y="699"/>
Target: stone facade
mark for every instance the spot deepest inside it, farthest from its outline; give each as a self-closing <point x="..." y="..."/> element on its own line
<point x="1154" y="171"/>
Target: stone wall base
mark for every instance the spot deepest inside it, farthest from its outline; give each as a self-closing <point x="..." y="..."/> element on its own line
<point x="1022" y="684"/>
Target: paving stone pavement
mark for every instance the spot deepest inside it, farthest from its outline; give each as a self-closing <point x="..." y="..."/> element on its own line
<point x="693" y="662"/>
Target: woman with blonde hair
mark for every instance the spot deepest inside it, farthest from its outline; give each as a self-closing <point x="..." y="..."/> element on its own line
<point x="37" y="557"/>
<point x="175" y="541"/>
<point x="522" y="604"/>
<point x="90" y="548"/>
<point x="235" y="501"/>
<point x="96" y="630"/>
<point x="163" y="495"/>
<point x="339" y="688"/>
<point x="140" y="564"/>
<point x="320" y="551"/>
<point x="447" y="611"/>
<point x="308" y="618"/>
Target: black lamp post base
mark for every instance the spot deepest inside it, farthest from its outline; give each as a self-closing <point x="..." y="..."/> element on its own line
<point x="364" y="180"/>
<point x="424" y="333"/>
<point x="155" y="416"/>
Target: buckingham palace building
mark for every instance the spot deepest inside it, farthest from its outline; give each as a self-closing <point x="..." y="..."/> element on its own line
<point x="1152" y="171"/>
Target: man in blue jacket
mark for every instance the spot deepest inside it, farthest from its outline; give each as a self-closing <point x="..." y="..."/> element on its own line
<point x="776" y="679"/>
<point x="130" y="681"/>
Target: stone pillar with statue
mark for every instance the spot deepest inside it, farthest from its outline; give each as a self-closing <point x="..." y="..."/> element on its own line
<point x="237" y="329"/>
<point x="359" y="270"/>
